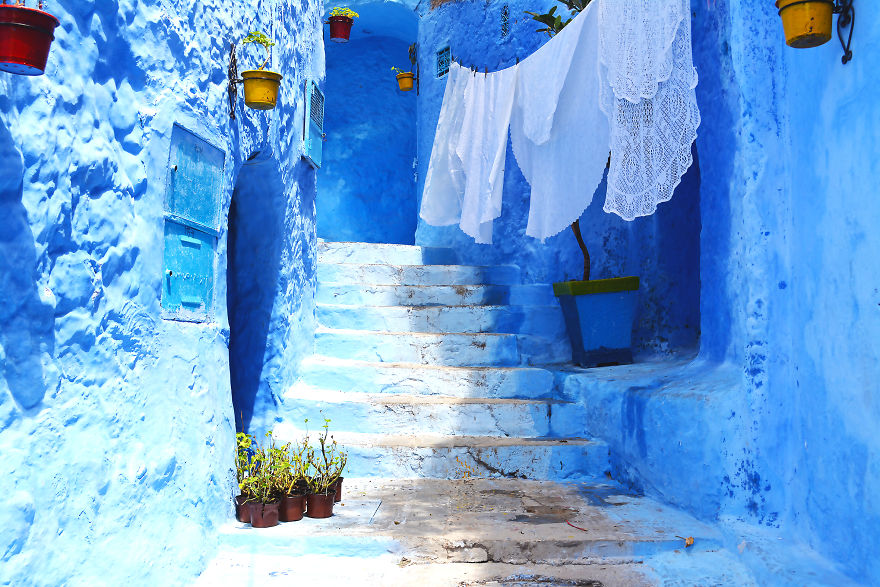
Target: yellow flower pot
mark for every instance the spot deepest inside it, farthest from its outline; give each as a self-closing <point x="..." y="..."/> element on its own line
<point x="405" y="81"/>
<point x="261" y="88"/>
<point x="806" y="24"/>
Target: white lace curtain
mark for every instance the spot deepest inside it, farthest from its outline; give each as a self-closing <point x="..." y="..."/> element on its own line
<point x="648" y="86"/>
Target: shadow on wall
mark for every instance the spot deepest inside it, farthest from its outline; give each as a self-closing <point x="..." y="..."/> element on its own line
<point x="26" y="317"/>
<point x="256" y="218"/>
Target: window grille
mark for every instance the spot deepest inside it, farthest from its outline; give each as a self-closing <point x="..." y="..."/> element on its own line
<point x="444" y="56"/>
<point x="505" y="20"/>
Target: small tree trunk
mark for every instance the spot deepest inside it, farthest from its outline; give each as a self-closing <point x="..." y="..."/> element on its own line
<point x="576" y="229"/>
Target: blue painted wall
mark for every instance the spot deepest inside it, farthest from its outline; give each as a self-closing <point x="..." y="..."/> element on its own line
<point x="116" y="426"/>
<point x="776" y="422"/>
<point x="367" y="190"/>
<point x="662" y="249"/>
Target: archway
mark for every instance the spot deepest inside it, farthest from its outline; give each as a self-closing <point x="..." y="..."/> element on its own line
<point x="256" y="218"/>
<point x="367" y="187"/>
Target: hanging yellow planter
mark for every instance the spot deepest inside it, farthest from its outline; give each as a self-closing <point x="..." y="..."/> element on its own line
<point x="261" y="88"/>
<point x="806" y="23"/>
<point x="405" y="81"/>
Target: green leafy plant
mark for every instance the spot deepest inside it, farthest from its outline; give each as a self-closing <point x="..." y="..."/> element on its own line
<point x="243" y="468"/>
<point x="293" y="478"/>
<point x="553" y="23"/>
<point x="344" y="11"/>
<point x="259" y="38"/>
<point x="398" y="71"/>
<point x="325" y="464"/>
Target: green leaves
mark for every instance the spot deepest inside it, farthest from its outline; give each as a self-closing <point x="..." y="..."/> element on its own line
<point x="259" y="38"/>
<point x="554" y="22"/>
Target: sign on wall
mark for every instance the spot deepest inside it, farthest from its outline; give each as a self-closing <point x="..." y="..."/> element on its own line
<point x="192" y="223"/>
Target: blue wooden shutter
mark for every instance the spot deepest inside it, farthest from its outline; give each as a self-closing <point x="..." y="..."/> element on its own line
<point x="313" y="127"/>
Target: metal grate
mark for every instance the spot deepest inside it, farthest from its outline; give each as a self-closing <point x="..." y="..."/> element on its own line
<point x="444" y="56"/>
<point x="505" y="20"/>
<point x="317" y="108"/>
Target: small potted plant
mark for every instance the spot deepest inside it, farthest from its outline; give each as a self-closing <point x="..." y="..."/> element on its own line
<point x="599" y="314"/>
<point x="404" y="79"/>
<point x="340" y="21"/>
<point x="261" y="85"/>
<point x="293" y="482"/>
<point x="261" y="483"/>
<point x="26" y="35"/>
<point x="325" y="466"/>
<point x="806" y="23"/>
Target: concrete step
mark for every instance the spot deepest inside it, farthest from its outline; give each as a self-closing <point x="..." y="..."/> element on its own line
<point x="375" y="253"/>
<point x="419" y="347"/>
<point x="546" y="321"/>
<point x="449" y="456"/>
<point x="347" y="375"/>
<point x="516" y="532"/>
<point x="417" y="274"/>
<point x="413" y="414"/>
<point x="435" y="295"/>
<point x="447" y="348"/>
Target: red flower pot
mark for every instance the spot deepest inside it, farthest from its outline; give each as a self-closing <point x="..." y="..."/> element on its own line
<point x="25" y="37"/>
<point x="319" y="505"/>
<point x="337" y="487"/>
<point x="340" y="28"/>
<point x="263" y="515"/>
<point x="242" y="513"/>
<point x="291" y="508"/>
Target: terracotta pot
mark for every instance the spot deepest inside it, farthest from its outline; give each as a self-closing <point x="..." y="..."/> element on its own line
<point x="25" y="37"/>
<point x="242" y="513"/>
<point x="319" y="505"/>
<point x="291" y="508"/>
<point x="340" y="28"/>
<point x="337" y="487"/>
<point x="263" y="515"/>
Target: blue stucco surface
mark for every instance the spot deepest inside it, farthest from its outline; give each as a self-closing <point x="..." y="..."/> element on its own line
<point x="775" y="423"/>
<point x="116" y="425"/>
<point x="367" y="186"/>
<point x="754" y="400"/>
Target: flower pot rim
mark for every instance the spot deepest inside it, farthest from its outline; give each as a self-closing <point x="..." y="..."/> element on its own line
<point x="261" y="74"/>
<point x="403" y="75"/>
<point x="783" y="4"/>
<point x="29" y="9"/>
<point x="339" y="18"/>
<point x="596" y="286"/>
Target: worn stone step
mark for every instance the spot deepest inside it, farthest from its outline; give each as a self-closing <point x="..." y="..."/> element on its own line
<point x="499" y="521"/>
<point x="435" y="295"/>
<point x="413" y="414"/>
<point x="546" y="321"/>
<point x="411" y="378"/>
<point x="446" y="348"/>
<point x="377" y="253"/>
<point x="417" y="274"/>
<point x="419" y="347"/>
<point x="447" y="456"/>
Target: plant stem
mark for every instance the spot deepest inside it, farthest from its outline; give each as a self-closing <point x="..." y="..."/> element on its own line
<point x="576" y="229"/>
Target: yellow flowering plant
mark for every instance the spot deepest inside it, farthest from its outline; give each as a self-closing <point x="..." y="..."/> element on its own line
<point x="344" y="11"/>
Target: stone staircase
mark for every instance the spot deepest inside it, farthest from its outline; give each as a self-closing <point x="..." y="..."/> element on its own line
<point x="423" y="365"/>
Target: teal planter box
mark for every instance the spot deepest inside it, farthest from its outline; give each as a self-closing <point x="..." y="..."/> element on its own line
<point x="599" y="316"/>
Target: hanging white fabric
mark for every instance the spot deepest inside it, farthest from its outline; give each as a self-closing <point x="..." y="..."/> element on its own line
<point x="559" y="133"/>
<point x="648" y="92"/>
<point x="444" y="182"/>
<point x="465" y="176"/>
<point x="482" y="148"/>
